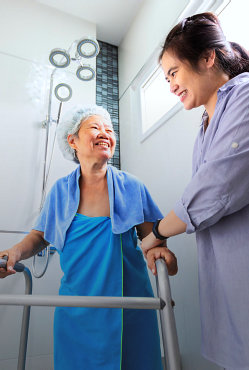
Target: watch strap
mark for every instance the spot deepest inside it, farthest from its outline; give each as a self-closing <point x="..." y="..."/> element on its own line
<point x="156" y="232"/>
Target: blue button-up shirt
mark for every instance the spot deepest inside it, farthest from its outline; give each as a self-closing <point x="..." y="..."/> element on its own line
<point x="215" y="205"/>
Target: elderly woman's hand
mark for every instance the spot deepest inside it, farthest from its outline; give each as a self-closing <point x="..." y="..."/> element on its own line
<point x="13" y="257"/>
<point x="162" y="252"/>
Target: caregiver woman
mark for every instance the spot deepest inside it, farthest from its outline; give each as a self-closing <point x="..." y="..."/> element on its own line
<point x="203" y="69"/>
<point x="90" y="216"/>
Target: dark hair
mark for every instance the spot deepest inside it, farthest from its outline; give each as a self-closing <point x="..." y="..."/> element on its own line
<point x="194" y="36"/>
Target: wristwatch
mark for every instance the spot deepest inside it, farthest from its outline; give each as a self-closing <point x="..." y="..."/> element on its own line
<point x="156" y="232"/>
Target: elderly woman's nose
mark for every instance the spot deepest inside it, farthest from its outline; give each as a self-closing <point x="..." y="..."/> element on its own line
<point x="102" y="132"/>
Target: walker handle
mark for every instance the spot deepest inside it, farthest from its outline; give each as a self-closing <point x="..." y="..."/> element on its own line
<point x="19" y="267"/>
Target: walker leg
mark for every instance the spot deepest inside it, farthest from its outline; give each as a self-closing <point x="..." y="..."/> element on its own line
<point x="25" y="323"/>
<point x="167" y="318"/>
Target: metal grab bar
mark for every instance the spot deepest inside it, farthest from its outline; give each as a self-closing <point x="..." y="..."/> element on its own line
<point x="163" y="303"/>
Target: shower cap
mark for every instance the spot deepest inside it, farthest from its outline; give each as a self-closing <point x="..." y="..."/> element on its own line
<point x="71" y="124"/>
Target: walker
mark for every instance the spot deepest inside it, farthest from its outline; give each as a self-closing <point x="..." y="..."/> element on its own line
<point x="163" y="303"/>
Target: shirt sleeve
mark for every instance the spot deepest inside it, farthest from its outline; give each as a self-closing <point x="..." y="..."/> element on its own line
<point x="220" y="186"/>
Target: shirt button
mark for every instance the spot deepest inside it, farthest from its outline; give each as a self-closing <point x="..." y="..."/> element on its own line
<point x="235" y="145"/>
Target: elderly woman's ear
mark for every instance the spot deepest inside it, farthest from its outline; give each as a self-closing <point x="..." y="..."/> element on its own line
<point x="71" y="141"/>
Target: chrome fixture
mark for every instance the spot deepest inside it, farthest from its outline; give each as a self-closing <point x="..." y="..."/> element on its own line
<point x="88" y="48"/>
<point x="63" y="92"/>
<point x="85" y="48"/>
<point x="85" y="73"/>
<point x="63" y="55"/>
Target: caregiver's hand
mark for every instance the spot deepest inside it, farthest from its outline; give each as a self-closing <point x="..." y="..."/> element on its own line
<point x="150" y="241"/>
<point x="162" y="252"/>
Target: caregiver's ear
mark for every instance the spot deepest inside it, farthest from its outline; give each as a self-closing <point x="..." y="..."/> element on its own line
<point x="208" y="58"/>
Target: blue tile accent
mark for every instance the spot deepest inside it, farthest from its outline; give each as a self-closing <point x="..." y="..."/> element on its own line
<point x="107" y="88"/>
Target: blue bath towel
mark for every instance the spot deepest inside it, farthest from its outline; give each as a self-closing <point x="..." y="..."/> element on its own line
<point x="130" y="205"/>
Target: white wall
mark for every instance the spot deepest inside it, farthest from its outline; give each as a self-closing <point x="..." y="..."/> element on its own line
<point x="29" y="31"/>
<point x="145" y="34"/>
<point x="163" y="162"/>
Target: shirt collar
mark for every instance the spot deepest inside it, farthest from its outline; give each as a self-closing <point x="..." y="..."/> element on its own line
<point x="243" y="77"/>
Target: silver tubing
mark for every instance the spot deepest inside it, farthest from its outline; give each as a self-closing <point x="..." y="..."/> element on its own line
<point x="48" y="119"/>
<point x="25" y="323"/>
<point x="78" y="301"/>
<point x="167" y="318"/>
<point x="53" y="145"/>
<point x="36" y="274"/>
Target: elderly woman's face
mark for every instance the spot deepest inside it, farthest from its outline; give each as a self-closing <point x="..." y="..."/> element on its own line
<point x="95" y="139"/>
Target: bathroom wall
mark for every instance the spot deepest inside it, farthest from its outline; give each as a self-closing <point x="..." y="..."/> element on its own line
<point x="29" y="31"/>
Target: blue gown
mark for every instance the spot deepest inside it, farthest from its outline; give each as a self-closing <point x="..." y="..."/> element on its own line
<point x="96" y="262"/>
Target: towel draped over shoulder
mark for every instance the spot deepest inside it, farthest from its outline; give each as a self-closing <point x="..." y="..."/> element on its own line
<point x="130" y="205"/>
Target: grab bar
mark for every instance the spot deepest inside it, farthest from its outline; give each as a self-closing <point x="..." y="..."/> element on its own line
<point x="163" y="303"/>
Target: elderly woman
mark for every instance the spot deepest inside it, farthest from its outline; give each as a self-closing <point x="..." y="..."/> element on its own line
<point x="91" y="217"/>
<point x="203" y="68"/>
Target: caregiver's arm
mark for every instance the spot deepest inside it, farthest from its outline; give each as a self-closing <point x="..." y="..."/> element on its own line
<point x="170" y="225"/>
<point x="28" y="247"/>
<point x="144" y="229"/>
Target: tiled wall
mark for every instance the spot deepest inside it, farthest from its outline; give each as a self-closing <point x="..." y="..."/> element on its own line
<point x="107" y="88"/>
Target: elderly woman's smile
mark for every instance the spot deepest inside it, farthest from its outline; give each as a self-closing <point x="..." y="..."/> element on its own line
<point x="102" y="143"/>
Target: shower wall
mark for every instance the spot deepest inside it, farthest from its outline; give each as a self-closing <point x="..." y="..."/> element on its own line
<point x="29" y="31"/>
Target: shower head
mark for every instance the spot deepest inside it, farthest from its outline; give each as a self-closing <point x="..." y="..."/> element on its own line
<point x="59" y="58"/>
<point x="88" y="48"/>
<point x="63" y="92"/>
<point x="85" y="73"/>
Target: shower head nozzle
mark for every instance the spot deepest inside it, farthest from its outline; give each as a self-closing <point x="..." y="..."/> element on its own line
<point x="88" y="48"/>
<point x="59" y="58"/>
<point x="85" y="73"/>
<point x="63" y="92"/>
